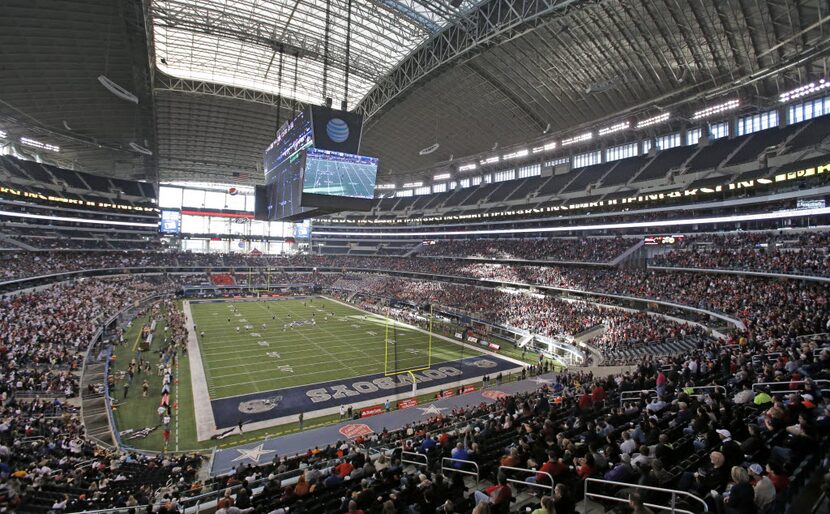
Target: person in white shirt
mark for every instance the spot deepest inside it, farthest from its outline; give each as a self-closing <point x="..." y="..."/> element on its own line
<point x="628" y="445"/>
<point x="641" y="459"/>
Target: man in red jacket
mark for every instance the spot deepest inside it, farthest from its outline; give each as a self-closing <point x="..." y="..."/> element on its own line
<point x="499" y="494"/>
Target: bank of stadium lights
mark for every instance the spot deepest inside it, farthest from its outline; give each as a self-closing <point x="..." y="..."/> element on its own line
<point x="37" y="144"/>
<point x="660" y="118"/>
<point x="804" y="90"/>
<point x="468" y="167"/>
<point x="786" y="214"/>
<point x="578" y="139"/>
<point x="546" y="148"/>
<point x="716" y="109"/>
<point x="442" y="176"/>
<point x="518" y="154"/>
<point x="385" y="186"/>
<point x="490" y="160"/>
<point x="614" y="128"/>
<point x="3" y="134"/>
<point x="413" y="184"/>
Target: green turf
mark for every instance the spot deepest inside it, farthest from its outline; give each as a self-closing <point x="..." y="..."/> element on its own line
<point x="138" y="412"/>
<point x="247" y="347"/>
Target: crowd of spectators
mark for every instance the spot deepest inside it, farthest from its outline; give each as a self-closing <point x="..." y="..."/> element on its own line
<point x="628" y="332"/>
<point x="757" y="447"/>
<point x="44" y="449"/>
<point x="538" y="314"/>
<point x="794" y="254"/>
<point x="45" y="332"/>
<point x="535" y="249"/>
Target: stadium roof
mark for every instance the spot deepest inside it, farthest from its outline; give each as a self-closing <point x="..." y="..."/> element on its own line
<point x="266" y="45"/>
<point x="465" y="74"/>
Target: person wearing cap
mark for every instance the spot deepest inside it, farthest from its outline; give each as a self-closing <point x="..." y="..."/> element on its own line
<point x="762" y="397"/>
<point x="764" y="490"/>
<point x="730" y="449"/>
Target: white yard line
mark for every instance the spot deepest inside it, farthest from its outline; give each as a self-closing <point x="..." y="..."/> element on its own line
<point x="322" y="349"/>
<point x="295" y="366"/>
<point x="177" y="385"/>
<point x="443" y="338"/>
<point x="205" y="422"/>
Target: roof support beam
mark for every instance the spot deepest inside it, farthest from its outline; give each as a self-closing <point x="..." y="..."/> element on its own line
<point x="508" y="93"/>
<point x="493" y="22"/>
<point x="168" y="83"/>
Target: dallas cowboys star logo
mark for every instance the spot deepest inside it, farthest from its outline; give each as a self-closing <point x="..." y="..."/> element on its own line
<point x="252" y="453"/>
<point x="431" y="410"/>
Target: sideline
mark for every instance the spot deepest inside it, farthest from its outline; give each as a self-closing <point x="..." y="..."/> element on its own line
<point x="205" y="422"/>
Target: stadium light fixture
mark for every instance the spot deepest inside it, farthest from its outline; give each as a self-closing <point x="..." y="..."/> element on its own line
<point x="3" y="134"/>
<point x="716" y="109"/>
<point x="75" y="220"/>
<point x="468" y="167"/>
<point x="385" y="186"/>
<point x="441" y="176"/>
<point x="518" y="154"/>
<point x="140" y="149"/>
<point x="490" y="160"/>
<point x="805" y="90"/>
<point x="117" y="90"/>
<point x="413" y="184"/>
<point x="578" y="139"/>
<point x="37" y="144"/>
<point x="430" y="149"/>
<point x="654" y="120"/>
<point x="796" y="213"/>
<point x="614" y="128"/>
<point x="546" y="148"/>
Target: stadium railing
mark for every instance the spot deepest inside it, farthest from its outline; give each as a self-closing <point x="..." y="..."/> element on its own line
<point x="770" y="274"/>
<point x="787" y="386"/>
<point x="631" y="396"/>
<point x="420" y="458"/>
<point x="671" y="507"/>
<point x="531" y="472"/>
<point x="125" y="315"/>
<point x="452" y="469"/>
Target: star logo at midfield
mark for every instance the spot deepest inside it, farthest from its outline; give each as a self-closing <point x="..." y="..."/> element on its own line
<point x="252" y="453"/>
<point x="431" y="410"/>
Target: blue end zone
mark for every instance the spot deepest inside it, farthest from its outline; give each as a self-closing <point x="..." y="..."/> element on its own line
<point x="263" y="406"/>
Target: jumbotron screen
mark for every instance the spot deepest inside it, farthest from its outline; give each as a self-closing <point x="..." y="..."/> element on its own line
<point x="339" y="174"/>
<point x="312" y="167"/>
<point x="283" y="166"/>
<point x="293" y="137"/>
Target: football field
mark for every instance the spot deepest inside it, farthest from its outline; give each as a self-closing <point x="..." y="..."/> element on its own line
<point x="267" y="345"/>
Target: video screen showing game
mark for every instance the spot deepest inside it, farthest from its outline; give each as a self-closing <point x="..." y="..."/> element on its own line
<point x="339" y="174"/>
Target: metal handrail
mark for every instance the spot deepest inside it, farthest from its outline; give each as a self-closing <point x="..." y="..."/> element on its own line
<point x="627" y="396"/>
<point x="709" y="387"/>
<point x="671" y="507"/>
<point x="459" y="470"/>
<point x="532" y="472"/>
<point x="787" y="384"/>
<point x="414" y="462"/>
